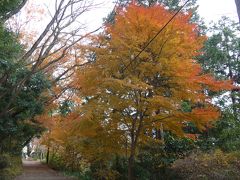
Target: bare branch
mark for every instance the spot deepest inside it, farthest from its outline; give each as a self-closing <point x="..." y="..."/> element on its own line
<point x="42" y="36"/>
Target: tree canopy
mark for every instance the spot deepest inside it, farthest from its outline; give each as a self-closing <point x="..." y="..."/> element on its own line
<point x="127" y="98"/>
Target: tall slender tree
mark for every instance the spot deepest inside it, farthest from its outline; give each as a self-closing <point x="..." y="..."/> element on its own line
<point x="237" y="2"/>
<point x="221" y="57"/>
<point x="136" y="95"/>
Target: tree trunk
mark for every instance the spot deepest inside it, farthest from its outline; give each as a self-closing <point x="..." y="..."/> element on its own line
<point x="132" y="157"/>
<point x="162" y="133"/>
<point x="28" y="150"/>
<point x="130" y="167"/>
<point x="237" y="2"/>
<point x="47" y="158"/>
<point x="133" y="146"/>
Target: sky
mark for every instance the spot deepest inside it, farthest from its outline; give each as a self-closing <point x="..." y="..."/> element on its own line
<point x="212" y="10"/>
<point x="209" y="10"/>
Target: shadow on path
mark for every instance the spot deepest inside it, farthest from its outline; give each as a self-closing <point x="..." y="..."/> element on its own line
<point x="34" y="170"/>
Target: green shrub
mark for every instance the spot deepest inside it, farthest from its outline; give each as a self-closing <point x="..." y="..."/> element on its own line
<point x="11" y="166"/>
<point x="216" y="165"/>
<point x="55" y="162"/>
<point x="3" y="162"/>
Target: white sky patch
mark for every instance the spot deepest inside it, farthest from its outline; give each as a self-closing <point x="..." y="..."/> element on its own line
<point x="213" y="10"/>
<point x="210" y="10"/>
<point x="94" y="18"/>
<point x="91" y="19"/>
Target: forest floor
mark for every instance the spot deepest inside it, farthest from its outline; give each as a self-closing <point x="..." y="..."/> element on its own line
<point x="35" y="170"/>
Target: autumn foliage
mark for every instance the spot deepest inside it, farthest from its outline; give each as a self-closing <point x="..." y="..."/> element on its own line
<point x="125" y="99"/>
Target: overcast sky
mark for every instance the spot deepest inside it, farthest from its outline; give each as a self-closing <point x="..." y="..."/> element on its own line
<point x="210" y="10"/>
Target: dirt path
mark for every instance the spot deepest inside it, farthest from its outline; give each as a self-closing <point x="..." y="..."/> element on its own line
<point x="34" y="170"/>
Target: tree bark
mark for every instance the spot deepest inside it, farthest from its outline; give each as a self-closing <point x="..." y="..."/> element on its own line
<point x="237" y="2"/>
<point x="130" y="167"/>
<point x="134" y="142"/>
<point x="47" y="158"/>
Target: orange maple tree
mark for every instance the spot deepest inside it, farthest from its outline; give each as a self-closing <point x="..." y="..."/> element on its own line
<point x="125" y="98"/>
<point x="137" y="95"/>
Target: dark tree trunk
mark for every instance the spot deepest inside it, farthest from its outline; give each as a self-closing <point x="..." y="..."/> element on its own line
<point x="47" y="158"/>
<point x="130" y="167"/>
<point x="28" y="150"/>
<point x="238" y="8"/>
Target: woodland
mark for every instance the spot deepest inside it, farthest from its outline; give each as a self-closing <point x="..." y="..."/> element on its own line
<point x="152" y="94"/>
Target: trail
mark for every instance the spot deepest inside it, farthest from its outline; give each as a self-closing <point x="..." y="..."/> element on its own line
<point x="34" y="170"/>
